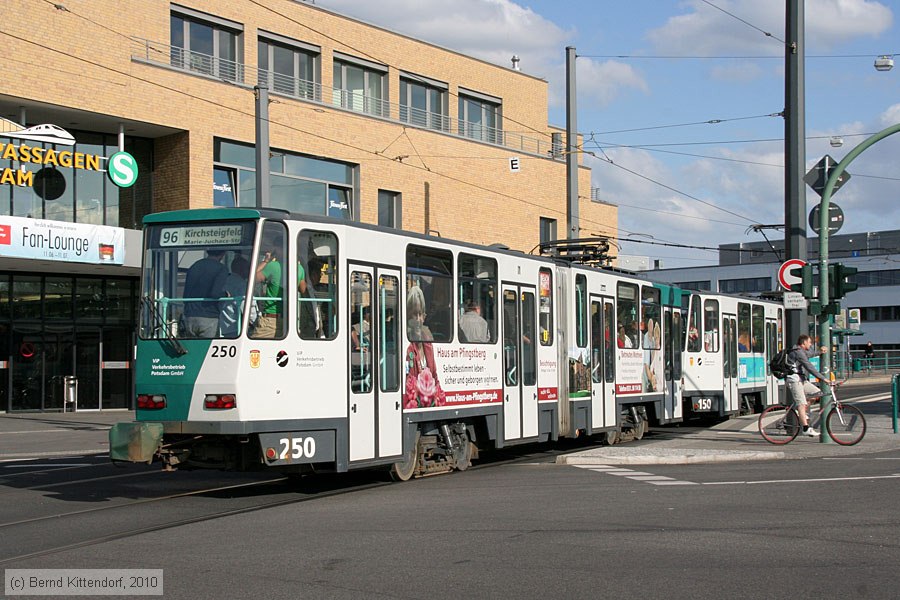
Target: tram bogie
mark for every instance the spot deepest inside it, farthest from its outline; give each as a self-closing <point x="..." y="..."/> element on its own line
<point x="310" y="343"/>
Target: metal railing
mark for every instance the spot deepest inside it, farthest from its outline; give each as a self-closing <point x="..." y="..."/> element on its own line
<point x="157" y="53"/>
<point x="857" y="365"/>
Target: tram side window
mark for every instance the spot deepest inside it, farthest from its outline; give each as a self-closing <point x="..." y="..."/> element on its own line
<point x="743" y="327"/>
<point x="610" y="363"/>
<point x="626" y="315"/>
<point x="581" y="311"/>
<point x="477" y="283"/>
<point x="693" y="342"/>
<point x="361" y="332"/>
<point x="597" y="345"/>
<point x="269" y="278"/>
<point x="317" y="285"/>
<point x="545" y="306"/>
<point x="757" y="330"/>
<point x="651" y="328"/>
<point x="711" y="326"/>
<point x="429" y="291"/>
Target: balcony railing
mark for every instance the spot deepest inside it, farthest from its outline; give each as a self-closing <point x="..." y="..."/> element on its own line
<point x="193" y="62"/>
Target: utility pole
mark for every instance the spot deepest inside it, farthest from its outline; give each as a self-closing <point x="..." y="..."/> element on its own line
<point x="262" y="145"/>
<point x="572" y="227"/>
<point x="824" y="284"/>
<point x="796" y="321"/>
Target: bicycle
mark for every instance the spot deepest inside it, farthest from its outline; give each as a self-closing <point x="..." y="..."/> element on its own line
<point x="844" y="423"/>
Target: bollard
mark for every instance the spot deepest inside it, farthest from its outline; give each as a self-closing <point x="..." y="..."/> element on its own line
<point x="895" y="398"/>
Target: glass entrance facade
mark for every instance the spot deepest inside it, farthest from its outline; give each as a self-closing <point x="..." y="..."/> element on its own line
<point x="54" y="326"/>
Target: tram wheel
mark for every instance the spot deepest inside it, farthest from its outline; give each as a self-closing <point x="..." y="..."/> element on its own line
<point x="610" y="437"/>
<point x="405" y="469"/>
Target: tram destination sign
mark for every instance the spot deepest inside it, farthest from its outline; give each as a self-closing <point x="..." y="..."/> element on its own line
<point x="201" y="235"/>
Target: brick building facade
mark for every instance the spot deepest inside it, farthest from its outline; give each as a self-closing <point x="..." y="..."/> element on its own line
<point x="364" y="124"/>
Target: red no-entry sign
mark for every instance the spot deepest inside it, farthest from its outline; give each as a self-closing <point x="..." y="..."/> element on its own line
<point x="786" y="276"/>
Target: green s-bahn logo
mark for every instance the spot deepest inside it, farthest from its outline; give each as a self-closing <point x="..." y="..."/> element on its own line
<point x="122" y="169"/>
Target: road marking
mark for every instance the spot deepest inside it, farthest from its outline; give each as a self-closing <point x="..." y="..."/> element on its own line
<point x="675" y="482"/>
<point x="635" y="475"/>
<point x="661" y="480"/>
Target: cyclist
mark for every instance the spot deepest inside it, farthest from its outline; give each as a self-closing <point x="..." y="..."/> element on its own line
<point x="798" y="384"/>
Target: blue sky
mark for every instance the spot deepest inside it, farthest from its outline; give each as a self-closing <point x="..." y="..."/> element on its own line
<point x="666" y="187"/>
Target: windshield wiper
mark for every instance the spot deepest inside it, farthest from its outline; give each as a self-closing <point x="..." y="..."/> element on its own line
<point x="159" y="323"/>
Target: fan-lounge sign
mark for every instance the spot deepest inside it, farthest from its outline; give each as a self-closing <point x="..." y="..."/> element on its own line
<point x="121" y="169"/>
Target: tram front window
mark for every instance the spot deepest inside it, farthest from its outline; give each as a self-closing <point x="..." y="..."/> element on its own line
<point x="196" y="280"/>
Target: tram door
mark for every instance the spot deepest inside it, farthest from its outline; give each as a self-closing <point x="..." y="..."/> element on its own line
<point x="672" y="363"/>
<point x="603" y="402"/>
<point x="520" y="398"/>
<point x="374" y="372"/>
<point x="730" y="363"/>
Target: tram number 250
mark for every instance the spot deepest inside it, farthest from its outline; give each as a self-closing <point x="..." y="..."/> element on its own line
<point x="297" y="447"/>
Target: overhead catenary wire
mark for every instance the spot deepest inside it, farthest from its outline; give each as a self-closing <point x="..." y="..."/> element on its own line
<point x="744" y="21"/>
<point x="364" y="150"/>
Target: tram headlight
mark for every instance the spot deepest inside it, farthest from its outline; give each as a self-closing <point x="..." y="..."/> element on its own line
<point x="151" y="401"/>
<point x="220" y="401"/>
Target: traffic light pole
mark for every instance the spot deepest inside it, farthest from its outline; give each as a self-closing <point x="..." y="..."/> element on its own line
<point x="825" y="323"/>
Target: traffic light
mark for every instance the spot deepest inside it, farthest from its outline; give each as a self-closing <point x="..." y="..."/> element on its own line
<point x="806" y="285"/>
<point x="840" y="280"/>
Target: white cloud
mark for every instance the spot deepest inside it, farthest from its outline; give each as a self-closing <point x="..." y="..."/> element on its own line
<point x="891" y="116"/>
<point x="494" y="30"/>
<point x="704" y="30"/>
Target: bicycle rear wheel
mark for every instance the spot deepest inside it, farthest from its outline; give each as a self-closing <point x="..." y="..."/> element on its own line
<point x="846" y="424"/>
<point x="779" y="424"/>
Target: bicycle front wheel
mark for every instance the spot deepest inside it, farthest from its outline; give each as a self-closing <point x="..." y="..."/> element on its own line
<point x="779" y="424"/>
<point x="846" y="424"/>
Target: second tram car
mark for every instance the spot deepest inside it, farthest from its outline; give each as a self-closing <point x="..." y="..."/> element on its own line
<point x="288" y="342"/>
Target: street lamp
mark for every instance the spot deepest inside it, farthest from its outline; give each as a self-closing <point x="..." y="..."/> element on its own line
<point x="836" y="141"/>
<point x="885" y="62"/>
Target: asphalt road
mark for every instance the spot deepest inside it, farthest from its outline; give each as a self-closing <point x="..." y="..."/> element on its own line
<point x="519" y="527"/>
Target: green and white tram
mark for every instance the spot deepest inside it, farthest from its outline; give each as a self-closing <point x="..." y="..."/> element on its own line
<point x="290" y="342"/>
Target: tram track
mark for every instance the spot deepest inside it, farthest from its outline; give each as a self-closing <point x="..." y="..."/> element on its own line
<point x="314" y="487"/>
<point x="132" y="532"/>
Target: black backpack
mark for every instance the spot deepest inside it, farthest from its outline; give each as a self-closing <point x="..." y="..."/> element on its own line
<point x="780" y="365"/>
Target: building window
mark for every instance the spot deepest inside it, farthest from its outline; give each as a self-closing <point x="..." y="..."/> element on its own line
<point x="360" y="86"/>
<point x="699" y="286"/>
<point x="300" y="184"/>
<point x="548" y="230"/>
<point x="224" y="193"/>
<point x="423" y="102"/>
<point x="747" y="285"/>
<point x="390" y="209"/>
<point x="480" y="117"/>
<point x="289" y="68"/>
<point x="206" y="44"/>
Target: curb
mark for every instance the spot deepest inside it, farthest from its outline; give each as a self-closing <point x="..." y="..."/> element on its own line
<point x="667" y="457"/>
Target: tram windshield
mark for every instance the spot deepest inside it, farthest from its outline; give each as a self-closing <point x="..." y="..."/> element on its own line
<point x="196" y="280"/>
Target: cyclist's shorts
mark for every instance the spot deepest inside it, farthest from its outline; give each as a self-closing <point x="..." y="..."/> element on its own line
<point x="799" y="390"/>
